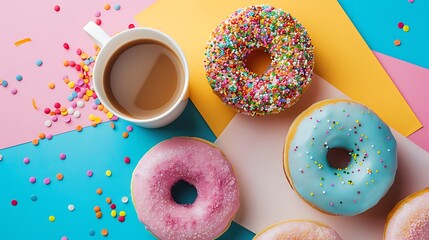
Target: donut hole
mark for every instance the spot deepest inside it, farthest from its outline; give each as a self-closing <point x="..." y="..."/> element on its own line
<point x="258" y="61"/>
<point x="183" y="192"/>
<point x="338" y="158"/>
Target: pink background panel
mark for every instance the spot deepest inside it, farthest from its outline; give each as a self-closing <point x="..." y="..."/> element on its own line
<point x="413" y="82"/>
<point x="48" y="29"/>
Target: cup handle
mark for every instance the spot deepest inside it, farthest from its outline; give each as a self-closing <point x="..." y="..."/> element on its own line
<point x="96" y="33"/>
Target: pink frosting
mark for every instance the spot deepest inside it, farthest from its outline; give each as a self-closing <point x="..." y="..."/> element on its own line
<point x="297" y="230"/>
<point x="411" y="220"/>
<point x="199" y="164"/>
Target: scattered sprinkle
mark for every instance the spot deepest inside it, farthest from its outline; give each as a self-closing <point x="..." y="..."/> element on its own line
<point x="131" y="26"/>
<point x="127" y="160"/>
<point x="97" y="14"/>
<point x="48" y="123"/>
<point x="26" y="160"/>
<point x="400" y="25"/>
<point x="410" y="1"/>
<point x="97" y="209"/>
<point x="89" y="173"/>
<point x="67" y="119"/>
<point x="33" y="102"/>
<point x="14" y="91"/>
<point x="99" y="191"/>
<point x="62" y="156"/>
<point x="39" y="62"/>
<point x="60" y="176"/>
<point x="122" y="213"/>
<point x="22" y="41"/>
<point x="397" y="42"/>
<point x="42" y="136"/>
<point x="91" y="232"/>
<point x="32" y="179"/>
<point x="64" y="238"/>
<point x="406" y="28"/>
<point x="70" y="207"/>
<point x="78" y="128"/>
<point x="35" y="142"/>
<point x="57" y="8"/>
<point x="108" y="200"/>
<point x="14" y="202"/>
<point x="124" y="199"/>
<point x="125" y="134"/>
<point x="113" y="213"/>
<point x="80" y="104"/>
<point x="4" y="83"/>
<point x="33" y="198"/>
<point x="117" y="7"/>
<point x="108" y="173"/>
<point x="99" y="214"/>
<point x="47" y="181"/>
<point x="112" y="206"/>
<point x="98" y="21"/>
<point x="129" y="128"/>
<point x="107" y="6"/>
<point x="18" y="77"/>
<point x="51" y="218"/>
<point x="104" y="232"/>
<point x="66" y="46"/>
<point x="121" y="218"/>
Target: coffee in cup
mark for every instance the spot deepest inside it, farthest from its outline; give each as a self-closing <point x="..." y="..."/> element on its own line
<point x="140" y="75"/>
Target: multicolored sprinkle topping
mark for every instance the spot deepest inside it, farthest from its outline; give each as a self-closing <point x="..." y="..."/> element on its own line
<point x="280" y="35"/>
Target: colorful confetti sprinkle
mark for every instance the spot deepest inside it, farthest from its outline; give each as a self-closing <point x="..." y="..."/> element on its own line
<point x="22" y="41"/>
<point x="33" y="102"/>
<point x="397" y="42"/>
<point x="104" y="232"/>
<point x="39" y="62"/>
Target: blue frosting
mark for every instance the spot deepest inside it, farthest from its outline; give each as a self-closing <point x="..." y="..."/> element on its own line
<point x="372" y="167"/>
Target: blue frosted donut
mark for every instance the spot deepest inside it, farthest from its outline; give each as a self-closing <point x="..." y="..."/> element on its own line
<point x="340" y="124"/>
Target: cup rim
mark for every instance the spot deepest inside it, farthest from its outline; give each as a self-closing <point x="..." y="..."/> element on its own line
<point x="177" y="49"/>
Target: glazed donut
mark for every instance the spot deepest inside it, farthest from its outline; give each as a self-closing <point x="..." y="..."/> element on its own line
<point x="409" y="219"/>
<point x="292" y="60"/>
<point x="298" y="230"/>
<point x="340" y="124"/>
<point x="202" y="165"/>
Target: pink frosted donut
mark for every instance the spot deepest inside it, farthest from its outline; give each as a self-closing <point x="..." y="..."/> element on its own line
<point x="409" y="219"/>
<point x="202" y="165"/>
<point x="297" y="230"/>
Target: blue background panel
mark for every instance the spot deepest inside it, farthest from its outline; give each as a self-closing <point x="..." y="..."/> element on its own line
<point x="98" y="149"/>
<point x="377" y="22"/>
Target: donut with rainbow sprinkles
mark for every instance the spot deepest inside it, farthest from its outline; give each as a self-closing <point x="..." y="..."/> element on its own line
<point x="280" y="35"/>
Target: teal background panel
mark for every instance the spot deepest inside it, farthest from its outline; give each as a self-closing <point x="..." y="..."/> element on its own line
<point x="97" y="149"/>
<point x="377" y="22"/>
